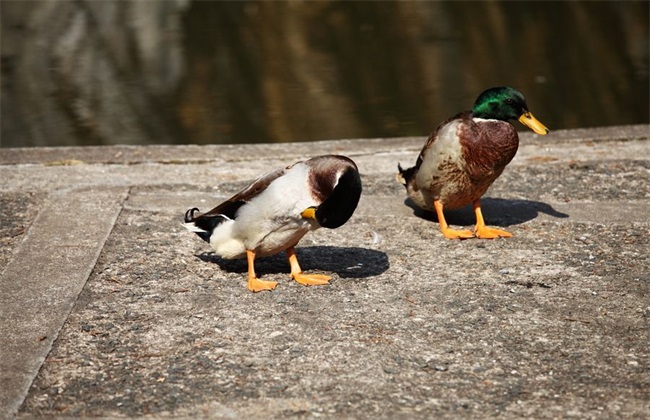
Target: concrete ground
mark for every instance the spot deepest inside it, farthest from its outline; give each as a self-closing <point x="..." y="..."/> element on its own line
<point x="110" y="308"/>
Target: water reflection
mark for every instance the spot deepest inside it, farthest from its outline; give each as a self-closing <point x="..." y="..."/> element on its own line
<point x="300" y="71"/>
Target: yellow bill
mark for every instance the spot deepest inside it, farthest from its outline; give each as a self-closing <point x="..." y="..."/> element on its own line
<point x="533" y="123"/>
<point x="309" y="213"/>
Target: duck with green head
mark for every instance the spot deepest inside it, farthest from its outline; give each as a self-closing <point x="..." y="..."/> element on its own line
<point x="465" y="155"/>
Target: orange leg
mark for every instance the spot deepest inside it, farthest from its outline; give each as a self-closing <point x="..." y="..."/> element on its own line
<point x="255" y="284"/>
<point x="300" y="277"/>
<point x="484" y="232"/>
<point x="444" y="227"/>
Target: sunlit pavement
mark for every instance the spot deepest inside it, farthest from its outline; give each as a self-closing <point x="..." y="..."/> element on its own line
<point x="110" y="308"/>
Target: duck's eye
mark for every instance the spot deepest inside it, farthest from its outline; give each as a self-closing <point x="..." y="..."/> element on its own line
<point x="510" y="101"/>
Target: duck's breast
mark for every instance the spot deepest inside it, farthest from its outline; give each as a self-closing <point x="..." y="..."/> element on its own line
<point x="487" y="147"/>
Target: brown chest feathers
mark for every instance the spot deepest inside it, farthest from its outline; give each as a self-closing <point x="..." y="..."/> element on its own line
<point x="487" y="147"/>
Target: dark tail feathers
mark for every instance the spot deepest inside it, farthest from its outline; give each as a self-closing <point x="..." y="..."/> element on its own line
<point x="203" y="225"/>
<point x="404" y="175"/>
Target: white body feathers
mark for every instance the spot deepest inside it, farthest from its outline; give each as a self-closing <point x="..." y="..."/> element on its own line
<point x="271" y="221"/>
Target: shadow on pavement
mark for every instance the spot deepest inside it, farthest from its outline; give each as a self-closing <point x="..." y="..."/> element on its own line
<point x="496" y="211"/>
<point x="346" y="262"/>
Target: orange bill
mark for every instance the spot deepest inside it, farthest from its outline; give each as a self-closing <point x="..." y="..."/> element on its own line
<point x="533" y="123"/>
<point x="309" y="213"/>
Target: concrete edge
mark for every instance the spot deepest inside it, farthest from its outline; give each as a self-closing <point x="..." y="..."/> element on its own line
<point x="122" y="154"/>
<point x="40" y="285"/>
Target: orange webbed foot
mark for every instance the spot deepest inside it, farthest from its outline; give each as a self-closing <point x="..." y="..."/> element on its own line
<point x="302" y="278"/>
<point x="257" y="285"/>
<point x="444" y="227"/>
<point x="311" y="279"/>
<point x="485" y="232"/>
<point x="457" y="234"/>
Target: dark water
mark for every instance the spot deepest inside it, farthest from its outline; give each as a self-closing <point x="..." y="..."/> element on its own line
<point x="301" y="71"/>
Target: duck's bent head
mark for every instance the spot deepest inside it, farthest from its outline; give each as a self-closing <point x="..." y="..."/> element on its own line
<point x="339" y="206"/>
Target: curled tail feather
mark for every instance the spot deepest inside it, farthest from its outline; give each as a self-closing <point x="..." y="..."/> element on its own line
<point x="189" y="215"/>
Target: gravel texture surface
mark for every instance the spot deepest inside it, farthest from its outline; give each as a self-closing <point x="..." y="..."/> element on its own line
<point x="552" y="323"/>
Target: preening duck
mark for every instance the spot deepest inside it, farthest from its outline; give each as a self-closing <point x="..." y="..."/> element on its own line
<point x="465" y="155"/>
<point x="276" y="210"/>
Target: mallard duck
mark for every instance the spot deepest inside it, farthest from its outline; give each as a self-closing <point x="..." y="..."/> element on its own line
<point x="465" y="155"/>
<point x="276" y="210"/>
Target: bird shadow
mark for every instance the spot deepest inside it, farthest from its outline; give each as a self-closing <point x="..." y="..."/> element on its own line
<point x="346" y="262"/>
<point x="496" y="211"/>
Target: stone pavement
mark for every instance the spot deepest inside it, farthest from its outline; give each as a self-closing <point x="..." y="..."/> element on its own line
<point x="110" y="308"/>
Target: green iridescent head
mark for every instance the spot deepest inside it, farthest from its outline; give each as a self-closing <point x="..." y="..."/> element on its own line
<point x="505" y="104"/>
